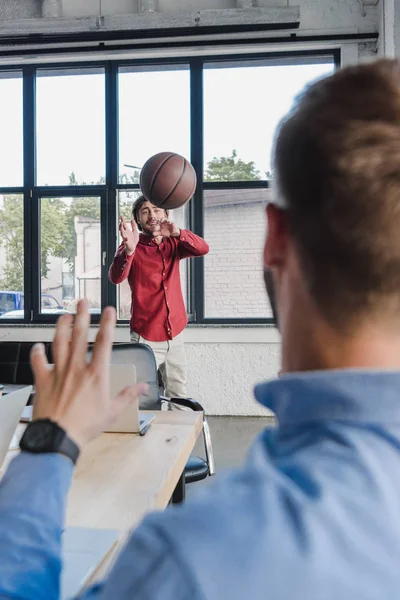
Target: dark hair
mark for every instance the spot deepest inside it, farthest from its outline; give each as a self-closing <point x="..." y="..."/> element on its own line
<point x="337" y="161"/>
<point x="136" y="208"/>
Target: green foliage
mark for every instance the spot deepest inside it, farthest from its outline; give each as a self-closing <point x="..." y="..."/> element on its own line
<point x="231" y="168"/>
<point x="12" y="239"/>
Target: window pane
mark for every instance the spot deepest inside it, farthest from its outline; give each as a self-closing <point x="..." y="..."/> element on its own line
<point x="234" y="284"/>
<point x="11" y="127"/>
<point x="70" y="125"/>
<point x="70" y="253"/>
<point x="178" y="216"/>
<point x="154" y="115"/>
<point x="12" y="256"/>
<point x="243" y="104"/>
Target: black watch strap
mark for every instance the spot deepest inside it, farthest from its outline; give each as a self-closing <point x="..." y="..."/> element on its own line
<point x="46" y="436"/>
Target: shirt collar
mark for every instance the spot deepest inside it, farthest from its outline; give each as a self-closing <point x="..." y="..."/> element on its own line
<point x="147" y="240"/>
<point x="351" y="395"/>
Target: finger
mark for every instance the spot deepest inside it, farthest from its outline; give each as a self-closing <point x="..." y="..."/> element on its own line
<point x="79" y="342"/>
<point x="101" y="358"/>
<point x="134" y="226"/>
<point x="39" y="364"/>
<point x="61" y="342"/>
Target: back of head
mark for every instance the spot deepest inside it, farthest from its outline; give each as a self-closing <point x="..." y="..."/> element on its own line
<point x="337" y="162"/>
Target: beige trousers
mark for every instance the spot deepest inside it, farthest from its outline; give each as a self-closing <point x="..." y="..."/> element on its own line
<point x="171" y="362"/>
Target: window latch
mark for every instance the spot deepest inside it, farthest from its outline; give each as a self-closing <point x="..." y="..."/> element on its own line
<point x="104" y="257"/>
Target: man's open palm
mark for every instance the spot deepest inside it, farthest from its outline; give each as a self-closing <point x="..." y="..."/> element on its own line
<point x="130" y="235"/>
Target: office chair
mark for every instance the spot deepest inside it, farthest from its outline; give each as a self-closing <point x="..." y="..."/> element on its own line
<point x="144" y="360"/>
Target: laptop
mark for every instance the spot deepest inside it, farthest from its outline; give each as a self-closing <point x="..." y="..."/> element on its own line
<point x="130" y="420"/>
<point x="11" y="408"/>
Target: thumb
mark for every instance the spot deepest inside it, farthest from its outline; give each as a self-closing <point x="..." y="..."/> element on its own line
<point x="39" y="363"/>
<point x="130" y="394"/>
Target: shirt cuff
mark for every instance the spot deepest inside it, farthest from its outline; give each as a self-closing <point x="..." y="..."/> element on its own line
<point x="128" y="257"/>
<point x="182" y="237"/>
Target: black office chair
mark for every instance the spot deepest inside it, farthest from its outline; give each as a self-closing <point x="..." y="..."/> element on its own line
<point x="143" y="358"/>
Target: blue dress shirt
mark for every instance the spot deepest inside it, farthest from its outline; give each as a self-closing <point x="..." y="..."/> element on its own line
<point x="314" y="514"/>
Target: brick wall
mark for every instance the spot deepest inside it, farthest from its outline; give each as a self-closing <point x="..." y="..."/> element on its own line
<point x="234" y="285"/>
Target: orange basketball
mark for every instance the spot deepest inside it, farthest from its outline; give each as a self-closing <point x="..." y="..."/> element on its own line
<point x="168" y="180"/>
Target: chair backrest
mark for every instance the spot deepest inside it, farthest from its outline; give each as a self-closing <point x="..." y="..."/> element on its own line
<point x="143" y="358"/>
<point x="14" y="362"/>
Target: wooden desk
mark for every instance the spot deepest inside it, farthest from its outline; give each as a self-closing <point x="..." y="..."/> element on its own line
<point x="121" y="476"/>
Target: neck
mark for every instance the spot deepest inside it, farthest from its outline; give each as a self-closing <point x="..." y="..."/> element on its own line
<point x="320" y="346"/>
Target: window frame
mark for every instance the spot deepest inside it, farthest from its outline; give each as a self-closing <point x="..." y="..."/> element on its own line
<point x="108" y="192"/>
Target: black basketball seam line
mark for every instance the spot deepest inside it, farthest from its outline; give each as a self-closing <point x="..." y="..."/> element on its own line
<point x="156" y="174"/>
<point x="177" y="183"/>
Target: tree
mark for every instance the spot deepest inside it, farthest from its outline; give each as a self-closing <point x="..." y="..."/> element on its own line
<point x="12" y="237"/>
<point x="231" y="168"/>
<point x="79" y="207"/>
<point x="12" y="240"/>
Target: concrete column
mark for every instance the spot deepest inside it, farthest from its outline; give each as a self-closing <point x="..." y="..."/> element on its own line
<point x="19" y="9"/>
<point x="148" y="6"/>
<point x="397" y="28"/>
<point x="51" y="8"/>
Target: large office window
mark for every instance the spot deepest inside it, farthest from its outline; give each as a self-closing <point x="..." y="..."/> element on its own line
<point x="67" y="177"/>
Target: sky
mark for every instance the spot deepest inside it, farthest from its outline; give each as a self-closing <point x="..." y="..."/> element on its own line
<point x="242" y="107"/>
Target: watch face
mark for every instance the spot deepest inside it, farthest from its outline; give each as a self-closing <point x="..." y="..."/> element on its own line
<point x="40" y="435"/>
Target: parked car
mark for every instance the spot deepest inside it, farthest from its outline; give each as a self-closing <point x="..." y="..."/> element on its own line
<point x="19" y="314"/>
<point x="11" y="301"/>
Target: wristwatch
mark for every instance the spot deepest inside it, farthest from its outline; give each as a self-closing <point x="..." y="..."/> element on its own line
<point x="44" y="436"/>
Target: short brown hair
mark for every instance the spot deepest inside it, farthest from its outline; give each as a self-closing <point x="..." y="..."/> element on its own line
<point x="337" y="164"/>
<point x="136" y="208"/>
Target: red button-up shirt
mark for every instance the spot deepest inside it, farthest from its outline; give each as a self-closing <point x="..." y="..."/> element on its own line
<point x="158" y="311"/>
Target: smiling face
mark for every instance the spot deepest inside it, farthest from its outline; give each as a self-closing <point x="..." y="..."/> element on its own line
<point x="150" y="217"/>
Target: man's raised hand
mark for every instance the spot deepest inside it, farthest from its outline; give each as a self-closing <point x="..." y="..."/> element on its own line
<point x="169" y="229"/>
<point x="73" y="392"/>
<point x="130" y="236"/>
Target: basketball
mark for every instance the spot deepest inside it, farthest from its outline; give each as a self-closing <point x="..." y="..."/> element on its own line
<point x="168" y="180"/>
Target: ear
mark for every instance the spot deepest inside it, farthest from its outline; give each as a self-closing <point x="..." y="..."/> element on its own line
<point x="276" y="237"/>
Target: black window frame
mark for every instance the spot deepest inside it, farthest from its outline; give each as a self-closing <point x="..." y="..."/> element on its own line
<point x="109" y="191"/>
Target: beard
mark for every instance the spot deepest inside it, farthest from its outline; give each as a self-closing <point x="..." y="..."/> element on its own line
<point x="151" y="230"/>
<point x="270" y="287"/>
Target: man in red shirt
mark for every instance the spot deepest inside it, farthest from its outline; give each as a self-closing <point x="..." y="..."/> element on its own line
<point x="150" y="261"/>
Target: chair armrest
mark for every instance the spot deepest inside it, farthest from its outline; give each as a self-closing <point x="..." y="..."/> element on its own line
<point x="187" y="402"/>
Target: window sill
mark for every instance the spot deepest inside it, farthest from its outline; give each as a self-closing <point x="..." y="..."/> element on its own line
<point x="194" y="334"/>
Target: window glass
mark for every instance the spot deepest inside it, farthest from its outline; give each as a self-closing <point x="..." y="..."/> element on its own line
<point x="70" y="126"/>
<point x="70" y="253"/>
